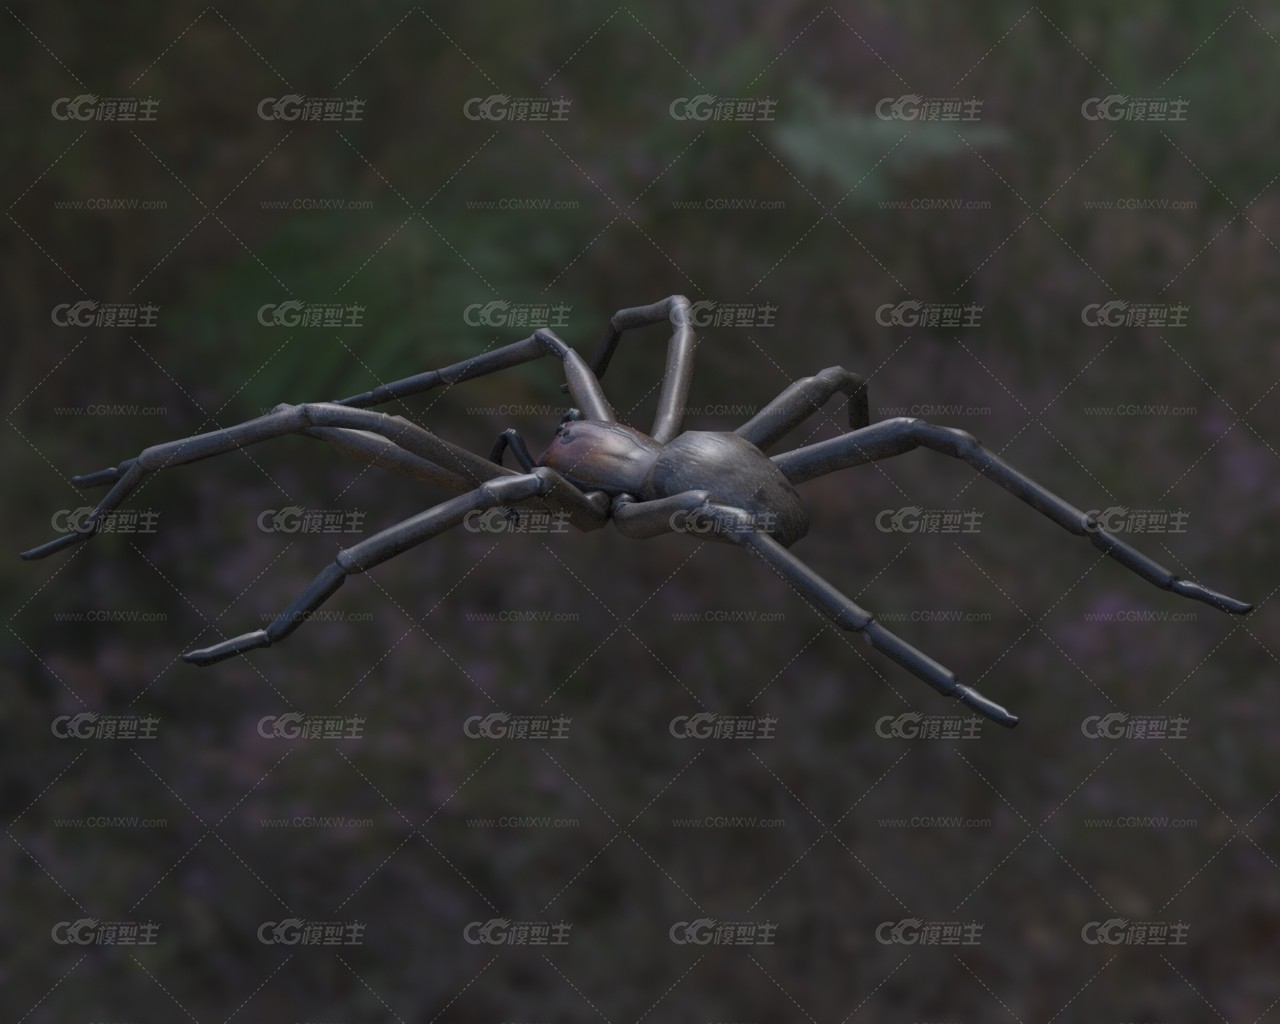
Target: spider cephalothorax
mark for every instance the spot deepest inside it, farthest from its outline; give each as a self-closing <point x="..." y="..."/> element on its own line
<point x="618" y="459"/>
<point x="598" y="470"/>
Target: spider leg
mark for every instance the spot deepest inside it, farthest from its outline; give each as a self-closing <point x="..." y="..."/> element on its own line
<point x="678" y="374"/>
<point x="383" y="453"/>
<point x="649" y="518"/>
<point x="510" y="438"/>
<point x="455" y="462"/>
<point x="587" y="510"/>
<point x="367" y="447"/>
<point x="803" y="398"/>
<point x="847" y="614"/>
<point x="641" y="520"/>
<point x="895" y="436"/>
<point x="581" y="382"/>
<point x="377" y="549"/>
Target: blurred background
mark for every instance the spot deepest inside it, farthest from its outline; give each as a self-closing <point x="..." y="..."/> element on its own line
<point x="1055" y="227"/>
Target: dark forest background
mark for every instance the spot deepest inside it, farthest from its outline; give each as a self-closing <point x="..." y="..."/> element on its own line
<point x="866" y="875"/>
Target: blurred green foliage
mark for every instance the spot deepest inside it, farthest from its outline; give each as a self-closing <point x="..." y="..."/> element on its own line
<point x="864" y="154"/>
<point x="414" y="660"/>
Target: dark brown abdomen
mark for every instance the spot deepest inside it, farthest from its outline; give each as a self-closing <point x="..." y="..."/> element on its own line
<point x="736" y="473"/>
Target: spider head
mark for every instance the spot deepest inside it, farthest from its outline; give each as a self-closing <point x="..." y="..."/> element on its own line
<point x="609" y="456"/>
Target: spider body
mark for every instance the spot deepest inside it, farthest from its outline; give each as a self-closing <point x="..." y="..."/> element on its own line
<point x="733" y="472"/>
<point x="620" y="460"/>
<point x="717" y="485"/>
<point x="610" y="457"/>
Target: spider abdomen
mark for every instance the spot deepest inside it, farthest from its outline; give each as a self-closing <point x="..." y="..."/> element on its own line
<point x="736" y="473"/>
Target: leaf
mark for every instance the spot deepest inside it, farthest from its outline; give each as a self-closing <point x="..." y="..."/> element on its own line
<point x="862" y="152"/>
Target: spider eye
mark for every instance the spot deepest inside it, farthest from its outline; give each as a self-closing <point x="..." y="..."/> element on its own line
<point x="570" y="416"/>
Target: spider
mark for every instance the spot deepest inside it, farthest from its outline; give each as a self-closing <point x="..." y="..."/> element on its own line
<point x="720" y="485"/>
